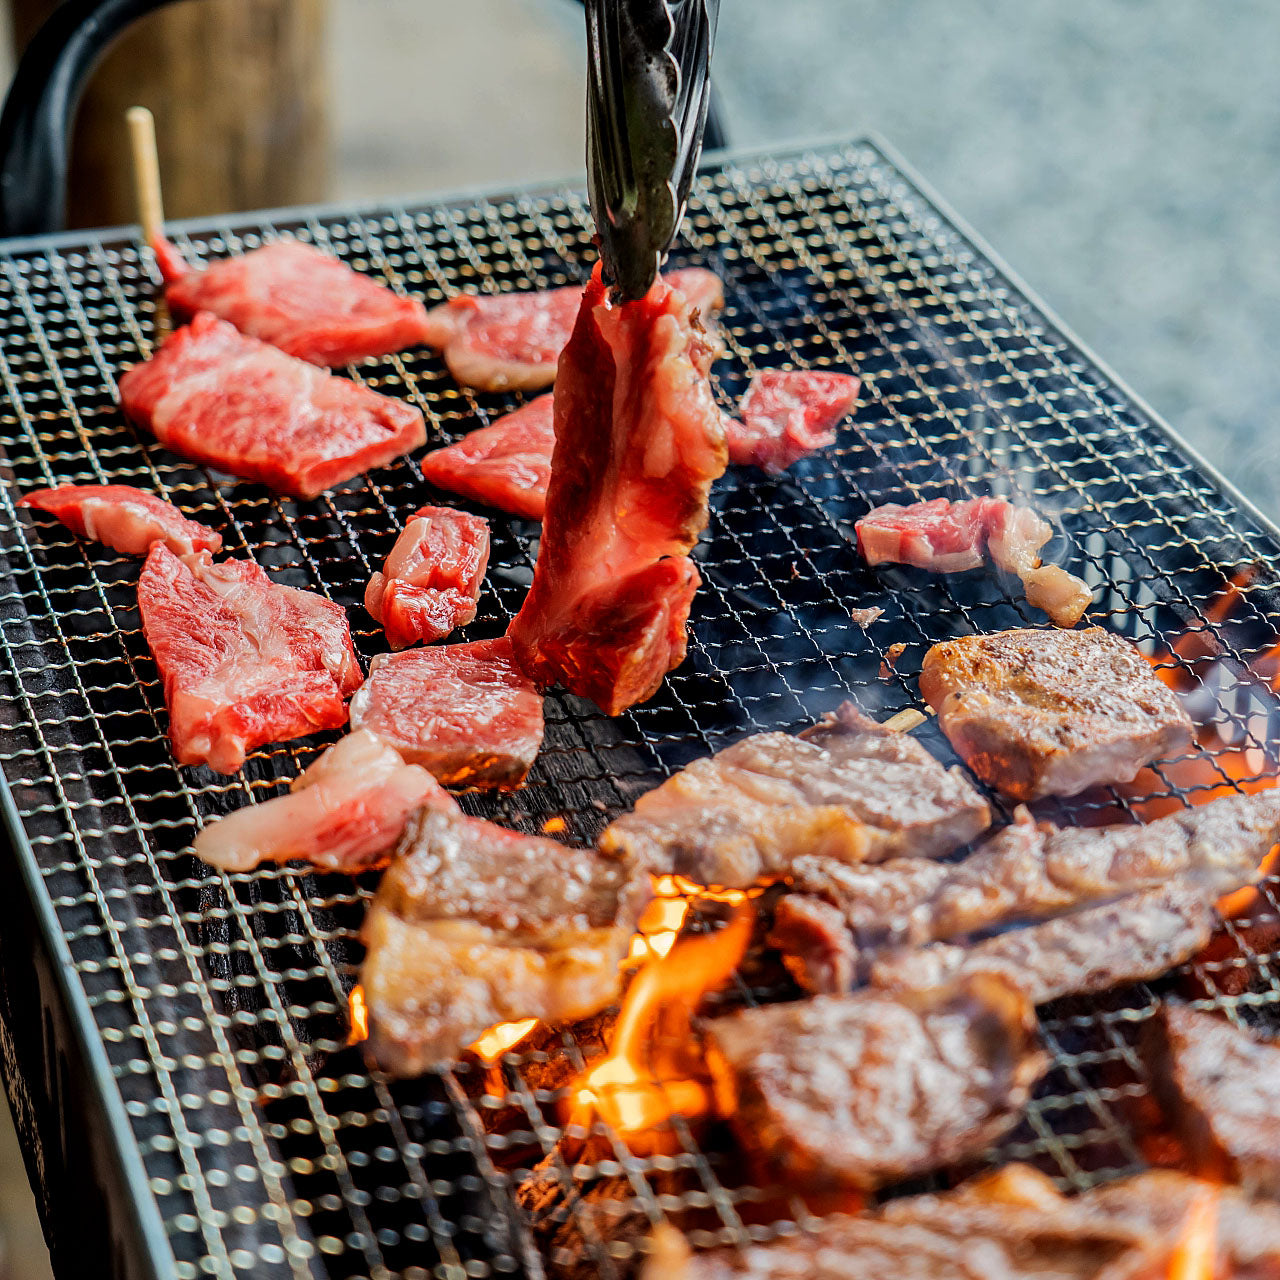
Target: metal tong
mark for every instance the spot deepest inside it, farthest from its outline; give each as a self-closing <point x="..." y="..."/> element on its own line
<point x="648" y="88"/>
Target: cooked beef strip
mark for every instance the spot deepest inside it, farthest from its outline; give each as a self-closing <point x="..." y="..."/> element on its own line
<point x="1038" y="713"/>
<point x="1023" y="874"/>
<point x="862" y="1090"/>
<point x="473" y="925"/>
<point x="1220" y="1086"/>
<point x="847" y="789"/>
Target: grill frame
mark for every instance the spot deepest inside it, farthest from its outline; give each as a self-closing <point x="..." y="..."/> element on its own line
<point x="134" y="1214"/>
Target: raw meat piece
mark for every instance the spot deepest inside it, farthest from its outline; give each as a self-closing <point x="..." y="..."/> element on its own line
<point x="866" y="1089"/>
<point x="638" y="443"/>
<point x="298" y="299"/>
<point x="431" y="580"/>
<point x="846" y="788"/>
<point x="125" y="519"/>
<point x="787" y="414"/>
<point x="512" y="341"/>
<point x="240" y="405"/>
<point x="343" y="814"/>
<point x="244" y="660"/>
<point x="950" y="537"/>
<point x="1139" y="936"/>
<point x="474" y="925"/>
<point x="466" y="712"/>
<point x="505" y="465"/>
<point x="1220" y="1086"/>
<point x="1024" y="873"/>
<point x="1040" y="713"/>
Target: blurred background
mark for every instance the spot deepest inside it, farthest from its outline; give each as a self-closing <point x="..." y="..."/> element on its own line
<point x="1123" y="156"/>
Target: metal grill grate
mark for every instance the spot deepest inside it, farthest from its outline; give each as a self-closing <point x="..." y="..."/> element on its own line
<point x="221" y="1001"/>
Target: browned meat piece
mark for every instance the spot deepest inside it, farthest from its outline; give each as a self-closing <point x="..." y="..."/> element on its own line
<point x="1022" y="874"/>
<point x="1040" y="713"/>
<point x="847" y="789"/>
<point x="1141" y="935"/>
<point x="862" y="1090"/>
<point x="1220" y="1085"/>
<point x="474" y="925"/>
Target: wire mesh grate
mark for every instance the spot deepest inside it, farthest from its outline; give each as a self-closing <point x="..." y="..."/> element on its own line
<point x="221" y="1001"/>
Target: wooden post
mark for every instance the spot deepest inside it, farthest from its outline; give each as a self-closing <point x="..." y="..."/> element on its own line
<point x="239" y="92"/>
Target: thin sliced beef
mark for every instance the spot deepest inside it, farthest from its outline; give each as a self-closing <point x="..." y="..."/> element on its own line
<point x="298" y="299"/>
<point x="787" y="414"/>
<point x="513" y="341"/>
<point x="242" y="406"/>
<point x="474" y="925"/>
<point x="465" y="712"/>
<point x="123" y="518"/>
<point x="1039" y="713"/>
<point x="638" y="442"/>
<point x="950" y="537"/>
<point x="343" y="814"/>
<point x="244" y="660"/>
<point x="1220" y="1086"/>
<point x="867" y="1089"/>
<point x="842" y="915"/>
<point x="431" y="581"/>
<point x="847" y="789"/>
<point x="505" y="465"/>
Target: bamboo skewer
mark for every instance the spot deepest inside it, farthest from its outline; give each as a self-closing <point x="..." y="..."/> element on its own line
<point x="146" y="173"/>
<point x="905" y="720"/>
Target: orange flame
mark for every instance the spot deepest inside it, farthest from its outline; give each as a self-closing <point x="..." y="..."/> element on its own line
<point x="358" y="1015"/>
<point x="1194" y="1256"/>
<point x="624" y="1089"/>
<point x="553" y="826"/>
<point x="497" y="1040"/>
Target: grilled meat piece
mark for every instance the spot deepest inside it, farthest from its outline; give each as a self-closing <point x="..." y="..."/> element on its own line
<point x="638" y="442"/>
<point x="862" y="1090"/>
<point x="1039" y="713"/>
<point x="1139" y="936"/>
<point x="1220" y="1086"/>
<point x="123" y="518"/>
<point x="473" y="925"/>
<point x="787" y="414"/>
<point x="1023" y="874"/>
<point x="847" y="788"/>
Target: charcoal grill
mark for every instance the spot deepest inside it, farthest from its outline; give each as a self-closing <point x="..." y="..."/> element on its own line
<point x="174" y="1039"/>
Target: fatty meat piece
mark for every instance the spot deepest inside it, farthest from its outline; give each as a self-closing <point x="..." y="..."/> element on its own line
<point x="299" y="299"/>
<point x="787" y="414"/>
<point x="512" y="341"/>
<point x="639" y="441"/>
<point x="465" y="712"/>
<point x="231" y="402"/>
<point x="343" y="814"/>
<point x="505" y="465"/>
<point x="123" y="518"/>
<point x="474" y="925"/>
<point x="244" y="660"/>
<point x="431" y="581"/>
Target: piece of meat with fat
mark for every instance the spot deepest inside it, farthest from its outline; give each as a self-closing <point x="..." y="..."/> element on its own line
<point x="841" y="916"/>
<point x="473" y="925"/>
<point x="505" y="465"/>
<point x="123" y="518"/>
<point x="513" y="341"/>
<point x="863" y="1090"/>
<point x="344" y="813"/>
<point x="638" y="443"/>
<point x="1129" y="939"/>
<point x="299" y="299"/>
<point x="787" y="414"/>
<point x="846" y="788"/>
<point x="244" y="660"/>
<point x="1219" y="1085"/>
<point x="431" y="581"/>
<point x="1040" y="713"/>
<point x="465" y="712"/>
<point x="239" y="405"/>
<point x="951" y="537"/>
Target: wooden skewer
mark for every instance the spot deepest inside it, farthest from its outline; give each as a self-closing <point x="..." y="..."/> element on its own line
<point x="146" y="173"/>
<point x="906" y="720"/>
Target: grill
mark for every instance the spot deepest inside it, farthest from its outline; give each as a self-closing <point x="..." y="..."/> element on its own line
<point x="197" y="1023"/>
